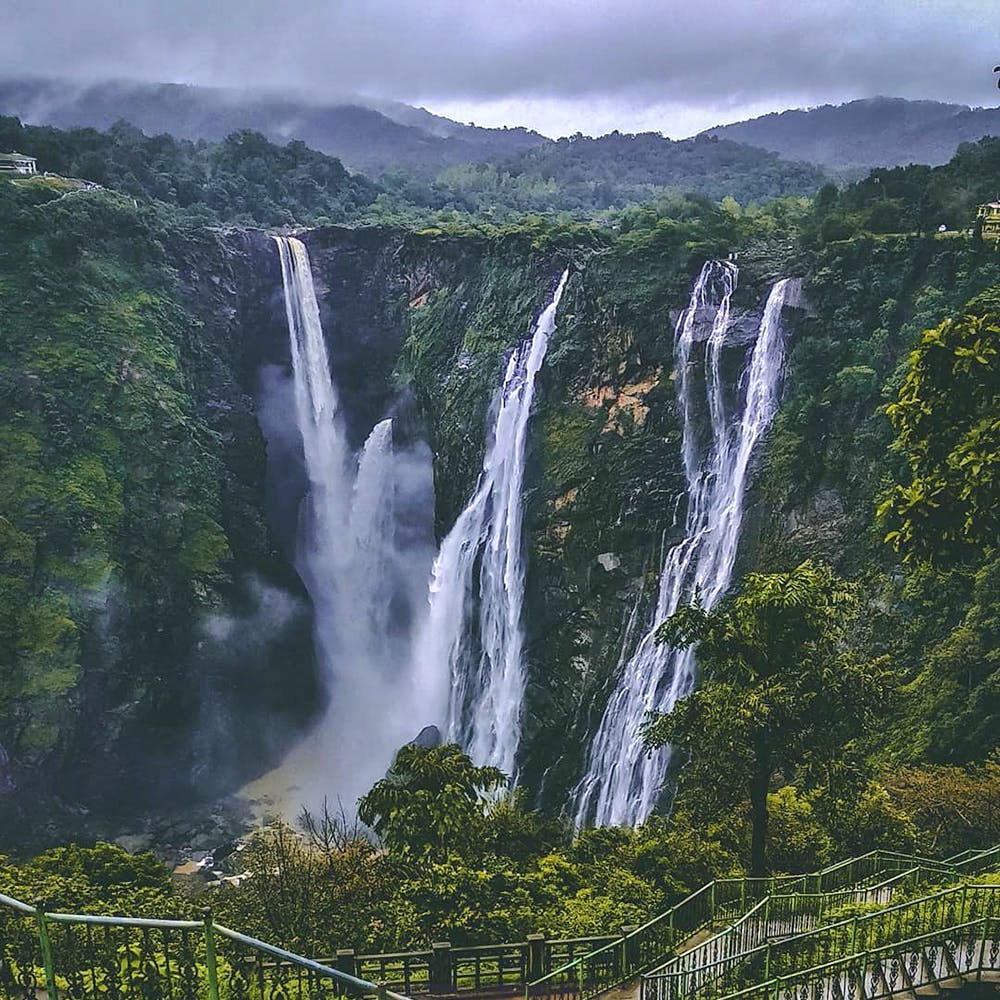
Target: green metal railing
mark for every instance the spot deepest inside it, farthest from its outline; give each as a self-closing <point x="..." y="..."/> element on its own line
<point x="77" y="956"/>
<point x="783" y="915"/>
<point x="769" y="957"/>
<point x="723" y="901"/>
<point x="444" y="969"/>
<point x="945" y="957"/>
<point x="61" y="955"/>
<point x="641" y="947"/>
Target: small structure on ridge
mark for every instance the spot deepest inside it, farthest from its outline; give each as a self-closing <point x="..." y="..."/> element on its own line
<point x="989" y="216"/>
<point x="17" y="163"/>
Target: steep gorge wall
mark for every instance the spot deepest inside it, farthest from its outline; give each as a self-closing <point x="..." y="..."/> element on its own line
<point x="189" y="665"/>
<point x="605" y="487"/>
<point x="146" y="598"/>
<point x="201" y="668"/>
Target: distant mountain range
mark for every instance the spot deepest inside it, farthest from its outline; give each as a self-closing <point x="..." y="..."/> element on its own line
<point x="747" y="159"/>
<point x="877" y="132"/>
<point x="366" y="135"/>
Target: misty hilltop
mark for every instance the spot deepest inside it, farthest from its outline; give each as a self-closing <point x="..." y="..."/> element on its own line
<point x="875" y="132"/>
<point x="368" y="136"/>
<point x="422" y="160"/>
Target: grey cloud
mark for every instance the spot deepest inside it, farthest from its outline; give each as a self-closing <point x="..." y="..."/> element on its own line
<point x="692" y="52"/>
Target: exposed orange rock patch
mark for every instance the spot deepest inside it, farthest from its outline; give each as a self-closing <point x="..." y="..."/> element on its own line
<point x="567" y="498"/>
<point x="420" y="300"/>
<point x="560" y="531"/>
<point x="629" y="398"/>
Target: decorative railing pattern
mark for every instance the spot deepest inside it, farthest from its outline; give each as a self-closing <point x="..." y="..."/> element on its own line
<point x="779" y="949"/>
<point x="481" y="968"/>
<point x="942" y="958"/>
<point x="783" y="915"/>
<point x="60" y="955"/>
<point x="77" y="956"/>
<point x="726" y="900"/>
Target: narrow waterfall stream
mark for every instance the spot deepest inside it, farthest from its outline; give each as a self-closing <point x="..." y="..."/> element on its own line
<point x="322" y="555"/>
<point x="471" y="663"/>
<point x="622" y="783"/>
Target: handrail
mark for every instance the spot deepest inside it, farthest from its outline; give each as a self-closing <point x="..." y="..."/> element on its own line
<point x="307" y="963"/>
<point x="910" y="974"/>
<point x="685" y="982"/>
<point x="87" y="951"/>
<point x="724" y="953"/>
<point x="618" y="961"/>
<point x="16" y="904"/>
<point x="171" y="960"/>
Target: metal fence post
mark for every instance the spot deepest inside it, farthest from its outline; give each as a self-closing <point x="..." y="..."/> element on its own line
<point x="210" y="964"/>
<point x="536" y="957"/>
<point x="46" y="945"/>
<point x="346" y="962"/>
<point x="441" y="967"/>
<point x="630" y="948"/>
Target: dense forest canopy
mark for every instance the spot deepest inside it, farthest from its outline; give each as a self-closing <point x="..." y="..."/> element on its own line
<point x="864" y="134"/>
<point x="245" y="178"/>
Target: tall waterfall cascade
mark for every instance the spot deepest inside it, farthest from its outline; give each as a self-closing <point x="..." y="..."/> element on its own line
<point x="471" y="669"/>
<point x="622" y="783"/>
<point x="354" y="569"/>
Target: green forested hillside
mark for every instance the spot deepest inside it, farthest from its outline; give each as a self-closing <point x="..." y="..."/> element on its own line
<point x="585" y="176"/>
<point x="244" y="179"/>
<point x="916" y="198"/>
<point x="135" y="521"/>
<point x="874" y="132"/>
<point x="368" y="135"/>
<point x="247" y="179"/>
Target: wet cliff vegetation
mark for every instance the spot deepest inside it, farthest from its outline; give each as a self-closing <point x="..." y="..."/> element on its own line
<point x="133" y="508"/>
<point x="147" y="590"/>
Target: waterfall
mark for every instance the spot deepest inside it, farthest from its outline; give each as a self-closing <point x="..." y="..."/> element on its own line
<point x="471" y="657"/>
<point x="325" y="447"/>
<point x="622" y="782"/>
<point x="358" y="559"/>
<point x="372" y="524"/>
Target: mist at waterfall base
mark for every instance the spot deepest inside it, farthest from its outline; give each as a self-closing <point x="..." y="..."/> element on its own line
<point x="363" y="547"/>
<point x="623" y="784"/>
<point x="470" y="654"/>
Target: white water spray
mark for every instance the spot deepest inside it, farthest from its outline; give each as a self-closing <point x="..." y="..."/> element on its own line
<point x="471" y="655"/>
<point x="354" y="568"/>
<point x="623" y="783"/>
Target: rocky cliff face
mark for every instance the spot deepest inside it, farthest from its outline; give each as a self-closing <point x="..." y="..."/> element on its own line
<point x="204" y="687"/>
<point x="193" y="669"/>
<point x="191" y="649"/>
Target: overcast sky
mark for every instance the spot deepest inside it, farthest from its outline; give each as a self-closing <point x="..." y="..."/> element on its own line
<point x="560" y="66"/>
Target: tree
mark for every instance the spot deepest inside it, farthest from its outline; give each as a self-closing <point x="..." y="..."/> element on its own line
<point x="780" y="689"/>
<point x="954" y="808"/>
<point x="312" y="890"/>
<point x="947" y="421"/>
<point x="431" y="800"/>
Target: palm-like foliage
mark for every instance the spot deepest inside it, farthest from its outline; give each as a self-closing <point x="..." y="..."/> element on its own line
<point x="947" y="421"/>
<point x="779" y="688"/>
